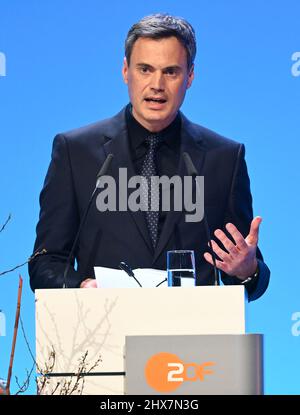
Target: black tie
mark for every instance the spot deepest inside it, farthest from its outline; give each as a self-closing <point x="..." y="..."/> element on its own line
<point x="148" y="170"/>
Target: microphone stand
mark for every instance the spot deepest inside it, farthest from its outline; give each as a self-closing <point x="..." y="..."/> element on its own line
<point x="192" y="171"/>
<point x="101" y="173"/>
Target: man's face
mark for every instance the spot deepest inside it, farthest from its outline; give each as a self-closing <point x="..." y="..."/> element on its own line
<point x="157" y="79"/>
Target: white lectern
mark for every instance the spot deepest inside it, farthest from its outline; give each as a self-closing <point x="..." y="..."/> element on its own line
<point x="75" y="321"/>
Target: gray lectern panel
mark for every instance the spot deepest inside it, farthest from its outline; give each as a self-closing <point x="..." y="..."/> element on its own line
<point x="194" y="365"/>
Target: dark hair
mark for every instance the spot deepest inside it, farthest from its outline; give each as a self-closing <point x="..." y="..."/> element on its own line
<point x="158" y="26"/>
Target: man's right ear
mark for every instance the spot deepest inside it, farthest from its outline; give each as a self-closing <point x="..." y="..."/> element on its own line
<point x="125" y="71"/>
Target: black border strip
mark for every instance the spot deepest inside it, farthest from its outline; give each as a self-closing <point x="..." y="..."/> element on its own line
<point x="50" y="375"/>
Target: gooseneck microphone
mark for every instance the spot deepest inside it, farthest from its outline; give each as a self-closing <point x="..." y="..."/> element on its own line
<point x="125" y="267"/>
<point x="192" y="171"/>
<point x="102" y="172"/>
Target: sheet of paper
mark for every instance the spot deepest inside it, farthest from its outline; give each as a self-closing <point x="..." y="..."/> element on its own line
<point x="116" y="278"/>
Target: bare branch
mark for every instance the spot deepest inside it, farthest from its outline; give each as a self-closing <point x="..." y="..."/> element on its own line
<point x="73" y="384"/>
<point x="26" y="340"/>
<point x="26" y="383"/>
<point x="43" y="380"/>
<point x="23" y="388"/>
<point x="43" y="251"/>
<point x="7" y="220"/>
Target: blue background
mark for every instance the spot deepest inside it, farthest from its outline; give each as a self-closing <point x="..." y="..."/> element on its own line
<point x="64" y="62"/>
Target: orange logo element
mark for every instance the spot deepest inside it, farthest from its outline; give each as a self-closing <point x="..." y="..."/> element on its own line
<point x="165" y="372"/>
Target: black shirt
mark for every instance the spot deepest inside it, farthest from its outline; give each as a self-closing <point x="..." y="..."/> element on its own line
<point x="167" y="153"/>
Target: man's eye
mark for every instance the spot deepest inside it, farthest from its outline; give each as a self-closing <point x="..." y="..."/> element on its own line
<point x="144" y="69"/>
<point x="171" y="72"/>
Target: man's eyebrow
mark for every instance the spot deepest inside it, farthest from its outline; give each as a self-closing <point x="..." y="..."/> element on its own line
<point x="167" y="68"/>
<point x="172" y="67"/>
<point x="144" y="65"/>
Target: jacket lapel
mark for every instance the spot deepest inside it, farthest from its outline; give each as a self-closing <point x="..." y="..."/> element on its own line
<point x="192" y="144"/>
<point x="118" y="145"/>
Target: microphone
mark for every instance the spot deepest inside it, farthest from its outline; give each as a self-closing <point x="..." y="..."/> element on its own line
<point x="125" y="267"/>
<point x="102" y="172"/>
<point x="192" y="171"/>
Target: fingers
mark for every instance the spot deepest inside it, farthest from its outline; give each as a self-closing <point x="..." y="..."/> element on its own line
<point x="227" y="259"/>
<point x="228" y="244"/>
<point x="89" y="283"/>
<point x="224" y="256"/>
<point x="237" y="236"/>
<point x="241" y="243"/>
<point x="252" y="237"/>
<point x="239" y="255"/>
<point x="220" y="265"/>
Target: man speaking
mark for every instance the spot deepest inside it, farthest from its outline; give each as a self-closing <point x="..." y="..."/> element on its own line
<point x="148" y="138"/>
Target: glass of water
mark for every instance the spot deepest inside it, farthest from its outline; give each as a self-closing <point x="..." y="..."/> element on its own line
<point x="181" y="268"/>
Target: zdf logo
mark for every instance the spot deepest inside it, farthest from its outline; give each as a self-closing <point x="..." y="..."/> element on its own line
<point x="165" y="372"/>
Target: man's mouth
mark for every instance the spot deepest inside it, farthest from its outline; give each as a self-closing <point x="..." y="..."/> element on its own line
<point x="157" y="100"/>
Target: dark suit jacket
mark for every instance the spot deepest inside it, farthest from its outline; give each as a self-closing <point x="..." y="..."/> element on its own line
<point x="111" y="237"/>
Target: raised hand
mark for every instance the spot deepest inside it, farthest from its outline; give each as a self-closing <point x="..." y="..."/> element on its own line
<point x="239" y="259"/>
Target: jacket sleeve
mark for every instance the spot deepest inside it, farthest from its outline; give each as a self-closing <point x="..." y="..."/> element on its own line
<point x="58" y="223"/>
<point x="239" y="212"/>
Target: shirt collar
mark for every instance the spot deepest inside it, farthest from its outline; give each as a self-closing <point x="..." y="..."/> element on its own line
<point x="137" y="133"/>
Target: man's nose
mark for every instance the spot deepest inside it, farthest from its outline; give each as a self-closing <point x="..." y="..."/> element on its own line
<point x="157" y="81"/>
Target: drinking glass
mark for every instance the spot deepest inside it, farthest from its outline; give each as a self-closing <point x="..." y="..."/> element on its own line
<point x="181" y="268"/>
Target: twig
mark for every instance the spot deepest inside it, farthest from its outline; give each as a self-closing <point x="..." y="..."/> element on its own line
<point x="42" y="381"/>
<point x="26" y="341"/>
<point x="26" y="382"/>
<point x="65" y="386"/>
<point x="7" y="220"/>
<point x="43" y="251"/>
<point x="79" y="374"/>
<point x="15" y="335"/>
